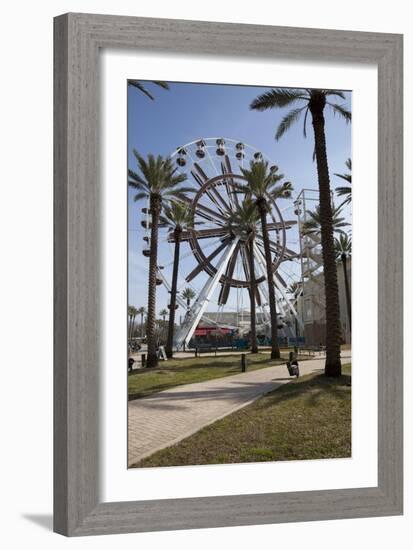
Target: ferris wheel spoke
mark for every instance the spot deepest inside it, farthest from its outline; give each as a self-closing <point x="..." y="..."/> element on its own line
<point x="209" y="193"/>
<point x="202" y="265"/>
<point x="226" y="286"/>
<point x="212" y="193"/>
<point x="273" y="245"/>
<point x="277" y="248"/>
<point x="280" y="225"/>
<point x="207" y="213"/>
<point x="245" y="263"/>
<point x="281" y="280"/>
<point x="227" y="169"/>
<point x="247" y="276"/>
<point x="200" y="234"/>
<point x="227" y="187"/>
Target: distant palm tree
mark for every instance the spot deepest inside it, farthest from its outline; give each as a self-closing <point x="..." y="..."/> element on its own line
<point x="138" y="84"/>
<point x="314" y="102"/>
<point x="132" y="312"/>
<point x="312" y="226"/>
<point x="157" y="181"/>
<point x="178" y="217"/>
<point x="262" y="187"/>
<point x="188" y="294"/>
<point x="243" y="222"/>
<point x="343" y="251"/>
<point x="346" y="190"/>
<point x="163" y="313"/>
<point x="141" y="312"/>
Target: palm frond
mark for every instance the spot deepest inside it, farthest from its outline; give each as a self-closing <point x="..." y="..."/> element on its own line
<point x="305" y="123"/>
<point x="140" y="196"/>
<point x="338" y="93"/>
<point x="288" y="121"/>
<point x="161" y="84"/>
<point x="343" y="245"/>
<point x="135" y="181"/>
<point x="312" y="225"/>
<point x="277" y="97"/>
<point x="345" y="177"/>
<point x="340" y="110"/>
<point x="343" y="191"/>
<point x="141" y="88"/>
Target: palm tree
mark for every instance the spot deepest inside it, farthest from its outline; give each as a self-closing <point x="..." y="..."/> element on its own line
<point x="243" y="222"/>
<point x="346" y="190"/>
<point x="315" y="102"/>
<point x="262" y="186"/>
<point x="163" y="313"/>
<point x="343" y="251"/>
<point x="188" y="294"/>
<point x="138" y="84"/>
<point x="312" y="225"/>
<point x="132" y="312"/>
<point x="157" y="181"/>
<point x="141" y="312"/>
<point x="178" y="217"/>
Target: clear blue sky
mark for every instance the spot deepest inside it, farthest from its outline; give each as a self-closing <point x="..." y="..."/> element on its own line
<point x="190" y="111"/>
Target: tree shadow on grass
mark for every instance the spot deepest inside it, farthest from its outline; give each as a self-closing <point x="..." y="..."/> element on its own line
<point x="237" y="393"/>
<point x="315" y="387"/>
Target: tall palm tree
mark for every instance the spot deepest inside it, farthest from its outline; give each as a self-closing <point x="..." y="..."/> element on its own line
<point x="163" y="313"/>
<point x="178" y="217"/>
<point x="346" y="190"/>
<point x="314" y="102"/>
<point x="157" y="181"/>
<point x="312" y="225"/>
<point x="262" y="186"/>
<point x="343" y="251"/>
<point x="243" y="222"/>
<point x="141" y="312"/>
<point x="138" y="84"/>
<point x="188" y="294"/>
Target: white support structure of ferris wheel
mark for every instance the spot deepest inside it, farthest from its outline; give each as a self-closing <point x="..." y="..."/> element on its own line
<point x="194" y="315"/>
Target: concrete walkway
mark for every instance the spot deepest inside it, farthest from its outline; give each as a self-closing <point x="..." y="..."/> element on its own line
<point x="164" y="418"/>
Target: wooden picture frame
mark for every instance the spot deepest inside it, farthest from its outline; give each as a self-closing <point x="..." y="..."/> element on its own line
<point x="78" y="40"/>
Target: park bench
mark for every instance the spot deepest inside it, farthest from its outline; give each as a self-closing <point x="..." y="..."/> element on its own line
<point x="204" y="348"/>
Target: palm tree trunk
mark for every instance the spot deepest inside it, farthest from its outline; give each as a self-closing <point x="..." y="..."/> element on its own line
<point x="254" y="348"/>
<point x="333" y="325"/>
<point x="152" y="360"/>
<point x="275" y="350"/>
<point x="142" y="327"/>
<point x="347" y="287"/>
<point x="174" y="286"/>
<point x="129" y="326"/>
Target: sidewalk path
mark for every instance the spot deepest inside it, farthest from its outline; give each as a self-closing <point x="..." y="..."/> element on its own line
<point x="164" y="418"/>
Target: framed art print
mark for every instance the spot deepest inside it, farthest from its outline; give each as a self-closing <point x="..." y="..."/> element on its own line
<point x="227" y="274"/>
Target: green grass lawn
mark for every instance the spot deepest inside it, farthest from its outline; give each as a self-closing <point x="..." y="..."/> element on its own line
<point x="176" y="372"/>
<point x="308" y="418"/>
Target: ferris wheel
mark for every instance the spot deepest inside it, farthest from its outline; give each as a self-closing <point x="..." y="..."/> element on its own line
<point x="215" y="262"/>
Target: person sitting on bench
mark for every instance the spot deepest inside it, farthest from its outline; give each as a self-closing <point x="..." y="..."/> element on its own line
<point x="292" y="363"/>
